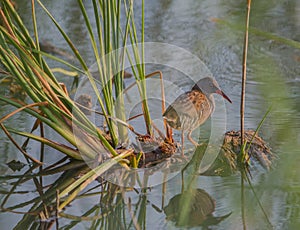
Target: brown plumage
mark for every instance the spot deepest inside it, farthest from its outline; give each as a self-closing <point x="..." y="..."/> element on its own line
<point x="193" y="108"/>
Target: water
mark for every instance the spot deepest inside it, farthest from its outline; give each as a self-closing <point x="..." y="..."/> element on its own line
<point x="273" y="80"/>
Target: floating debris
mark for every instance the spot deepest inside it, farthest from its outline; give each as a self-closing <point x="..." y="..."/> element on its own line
<point x="16" y="91"/>
<point x="15" y="165"/>
<point x="47" y="47"/>
<point x="85" y="101"/>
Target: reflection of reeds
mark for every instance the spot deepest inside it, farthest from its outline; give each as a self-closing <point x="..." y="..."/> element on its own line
<point x="52" y="199"/>
<point x="112" y="206"/>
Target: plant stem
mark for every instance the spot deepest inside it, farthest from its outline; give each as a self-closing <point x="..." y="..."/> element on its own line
<point x="242" y="110"/>
<point x="244" y="75"/>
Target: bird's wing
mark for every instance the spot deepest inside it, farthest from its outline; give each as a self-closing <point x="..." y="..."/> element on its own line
<point x="191" y="102"/>
<point x="200" y="101"/>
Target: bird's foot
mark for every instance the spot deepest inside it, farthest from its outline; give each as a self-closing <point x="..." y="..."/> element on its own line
<point x="184" y="157"/>
<point x="199" y="144"/>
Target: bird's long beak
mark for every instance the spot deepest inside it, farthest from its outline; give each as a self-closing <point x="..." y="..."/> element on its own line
<point x="223" y="95"/>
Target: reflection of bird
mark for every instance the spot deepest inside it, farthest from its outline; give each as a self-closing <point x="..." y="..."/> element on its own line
<point x="193" y="108"/>
<point x="193" y="208"/>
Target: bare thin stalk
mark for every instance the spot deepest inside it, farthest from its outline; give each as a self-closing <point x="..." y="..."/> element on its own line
<point x="35" y="31"/>
<point x="244" y="75"/>
<point x="27" y="156"/>
<point x="22" y="108"/>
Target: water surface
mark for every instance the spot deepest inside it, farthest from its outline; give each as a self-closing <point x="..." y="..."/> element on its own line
<point x="273" y="80"/>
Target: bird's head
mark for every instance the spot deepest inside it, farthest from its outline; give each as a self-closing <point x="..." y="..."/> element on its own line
<point x="209" y="86"/>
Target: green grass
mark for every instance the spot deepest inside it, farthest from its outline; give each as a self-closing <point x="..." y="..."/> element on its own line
<point x="51" y="105"/>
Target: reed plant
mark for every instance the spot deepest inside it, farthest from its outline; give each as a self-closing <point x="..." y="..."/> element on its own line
<point x="23" y="60"/>
<point x="49" y="102"/>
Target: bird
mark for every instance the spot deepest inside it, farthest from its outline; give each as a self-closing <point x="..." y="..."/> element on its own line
<point x="192" y="108"/>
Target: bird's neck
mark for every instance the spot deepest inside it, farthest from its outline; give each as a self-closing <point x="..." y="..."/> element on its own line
<point x="212" y="101"/>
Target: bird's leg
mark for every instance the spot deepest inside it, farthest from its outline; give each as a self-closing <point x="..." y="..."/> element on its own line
<point x="191" y="139"/>
<point x="182" y="143"/>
